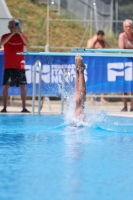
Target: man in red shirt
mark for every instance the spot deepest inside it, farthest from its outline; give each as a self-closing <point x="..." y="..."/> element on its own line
<point x="14" y="68"/>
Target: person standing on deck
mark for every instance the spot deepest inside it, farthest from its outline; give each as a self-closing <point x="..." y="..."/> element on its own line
<point x="14" y="68"/>
<point x="98" y="42"/>
<point x="125" y="41"/>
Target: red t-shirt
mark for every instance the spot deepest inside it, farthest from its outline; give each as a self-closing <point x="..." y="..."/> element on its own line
<point x="14" y="45"/>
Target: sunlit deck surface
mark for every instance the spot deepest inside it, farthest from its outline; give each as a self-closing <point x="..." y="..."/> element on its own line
<point x="112" y="108"/>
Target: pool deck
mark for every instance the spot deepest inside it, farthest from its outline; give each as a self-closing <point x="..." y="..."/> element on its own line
<point x="54" y="107"/>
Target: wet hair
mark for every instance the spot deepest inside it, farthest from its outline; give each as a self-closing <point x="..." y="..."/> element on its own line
<point x="100" y="32"/>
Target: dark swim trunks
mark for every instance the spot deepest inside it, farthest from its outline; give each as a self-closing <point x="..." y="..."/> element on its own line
<point x="14" y="77"/>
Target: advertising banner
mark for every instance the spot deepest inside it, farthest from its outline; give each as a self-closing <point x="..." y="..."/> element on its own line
<point x="102" y="74"/>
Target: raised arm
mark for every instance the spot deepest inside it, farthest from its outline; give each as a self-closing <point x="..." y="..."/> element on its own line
<point x="91" y="42"/>
<point x="15" y="31"/>
<point x="23" y="37"/>
<point x="5" y="40"/>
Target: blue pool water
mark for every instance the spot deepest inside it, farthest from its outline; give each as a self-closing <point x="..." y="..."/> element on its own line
<point x="43" y="159"/>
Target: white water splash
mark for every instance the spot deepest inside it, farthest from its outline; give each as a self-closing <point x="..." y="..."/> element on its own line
<point x="92" y="118"/>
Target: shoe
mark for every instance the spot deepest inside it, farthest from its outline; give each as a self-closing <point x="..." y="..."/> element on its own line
<point x="25" y="111"/>
<point x="3" y="110"/>
<point x="124" y="109"/>
<point x="131" y="109"/>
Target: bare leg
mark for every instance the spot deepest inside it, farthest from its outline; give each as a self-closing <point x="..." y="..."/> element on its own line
<point x="82" y="86"/>
<point x="5" y="96"/>
<point x="102" y="99"/>
<point x="77" y="76"/>
<point x="81" y="89"/>
<point x="131" y="102"/>
<point x="125" y="103"/>
<point x="23" y="95"/>
<point x="91" y="100"/>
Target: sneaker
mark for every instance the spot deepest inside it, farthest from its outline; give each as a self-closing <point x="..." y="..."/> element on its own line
<point x="124" y="109"/>
<point x="25" y="111"/>
<point x="3" y="110"/>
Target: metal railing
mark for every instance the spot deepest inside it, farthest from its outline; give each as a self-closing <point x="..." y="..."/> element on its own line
<point x="64" y="93"/>
<point x="39" y="65"/>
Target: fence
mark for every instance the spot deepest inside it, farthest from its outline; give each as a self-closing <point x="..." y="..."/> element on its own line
<point x="81" y="31"/>
<point x="85" y="10"/>
<point x="90" y="15"/>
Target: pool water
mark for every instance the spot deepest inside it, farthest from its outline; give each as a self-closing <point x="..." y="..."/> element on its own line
<point x="43" y="159"/>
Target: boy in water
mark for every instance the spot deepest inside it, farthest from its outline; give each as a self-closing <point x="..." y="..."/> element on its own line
<point x="80" y="88"/>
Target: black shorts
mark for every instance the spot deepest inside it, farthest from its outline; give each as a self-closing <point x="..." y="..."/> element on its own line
<point x="14" y="77"/>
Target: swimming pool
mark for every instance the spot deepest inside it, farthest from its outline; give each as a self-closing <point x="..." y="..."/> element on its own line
<point x="41" y="158"/>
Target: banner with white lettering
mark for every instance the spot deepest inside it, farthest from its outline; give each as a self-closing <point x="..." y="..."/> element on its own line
<point x="102" y="74"/>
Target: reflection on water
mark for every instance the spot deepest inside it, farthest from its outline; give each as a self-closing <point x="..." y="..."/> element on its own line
<point x="74" y="141"/>
<point x="41" y="158"/>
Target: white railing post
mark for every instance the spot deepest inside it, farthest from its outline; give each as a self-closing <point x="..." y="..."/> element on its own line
<point x="34" y="88"/>
<point x="69" y="80"/>
<point x="63" y="88"/>
<point x="37" y="64"/>
<point x="40" y="88"/>
<point x="62" y="93"/>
